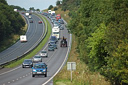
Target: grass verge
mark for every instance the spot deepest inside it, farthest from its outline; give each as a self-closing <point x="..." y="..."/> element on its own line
<point x="38" y="48"/>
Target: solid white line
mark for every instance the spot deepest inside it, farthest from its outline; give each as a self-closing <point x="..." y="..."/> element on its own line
<point x="61" y="64"/>
<point x="10" y="70"/>
<point x="17" y="67"/>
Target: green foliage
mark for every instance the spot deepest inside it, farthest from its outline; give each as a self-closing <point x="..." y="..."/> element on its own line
<point x="55" y="8"/>
<point x="10" y="22"/>
<point x="50" y="7"/>
<point x="58" y="3"/>
<point x="32" y="8"/>
<point x="101" y="30"/>
<point x="17" y="7"/>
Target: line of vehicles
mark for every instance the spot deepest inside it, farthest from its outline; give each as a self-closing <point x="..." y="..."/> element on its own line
<point x="39" y="67"/>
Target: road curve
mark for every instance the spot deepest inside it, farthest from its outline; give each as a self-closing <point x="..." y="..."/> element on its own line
<point x="22" y="76"/>
<point x="34" y="33"/>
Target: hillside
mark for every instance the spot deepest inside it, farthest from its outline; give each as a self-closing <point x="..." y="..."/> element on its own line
<point x="100" y="28"/>
<point x="11" y="23"/>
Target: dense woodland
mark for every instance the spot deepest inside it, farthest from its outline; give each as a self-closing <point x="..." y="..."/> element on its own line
<point x="101" y="29"/>
<point x="10" y="22"/>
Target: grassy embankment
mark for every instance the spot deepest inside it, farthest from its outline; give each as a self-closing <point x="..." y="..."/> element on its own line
<point x="38" y="48"/>
<point x="82" y="75"/>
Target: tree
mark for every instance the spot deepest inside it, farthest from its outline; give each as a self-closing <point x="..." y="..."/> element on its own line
<point x="58" y="3"/>
<point x="50" y="7"/>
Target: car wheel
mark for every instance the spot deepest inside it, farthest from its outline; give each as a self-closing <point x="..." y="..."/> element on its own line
<point x="33" y="75"/>
<point x="22" y="66"/>
<point x="46" y="75"/>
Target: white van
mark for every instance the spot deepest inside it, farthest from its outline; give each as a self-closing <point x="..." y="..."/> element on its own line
<point x="56" y="32"/>
<point x="23" y="38"/>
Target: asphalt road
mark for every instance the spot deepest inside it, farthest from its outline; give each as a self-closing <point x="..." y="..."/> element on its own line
<point x="34" y="33"/>
<point x="55" y="61"/>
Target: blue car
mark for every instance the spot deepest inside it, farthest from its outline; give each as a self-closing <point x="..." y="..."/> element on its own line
<point x="53" y="39"/>
<point x="39" y="69"/>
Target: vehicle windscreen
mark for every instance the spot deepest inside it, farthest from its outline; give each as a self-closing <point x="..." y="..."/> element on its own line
<point x="37" y="57"/>
<point x="55" y="32"/>
<point x="39" y="66"/>
<point x="27" y="61"/>
<point x="43" y="52"/>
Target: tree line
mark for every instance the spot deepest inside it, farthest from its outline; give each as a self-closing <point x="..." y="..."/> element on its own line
<point x="10" y="22"/>
<point x="101" y="29"/>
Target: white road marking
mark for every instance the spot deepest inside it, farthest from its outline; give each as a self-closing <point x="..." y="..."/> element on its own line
<point x="62" y="63"/>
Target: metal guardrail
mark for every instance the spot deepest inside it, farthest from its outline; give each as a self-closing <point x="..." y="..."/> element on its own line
<point x="31" y="49"/>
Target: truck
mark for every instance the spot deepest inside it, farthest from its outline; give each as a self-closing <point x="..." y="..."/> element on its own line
<point x="58" y="17"/>
<point x="27" y="14"/>
<point x="56" y="32"/>
<point x="23" y="38"/>
<point x="49" y="11"/>
<point x="53" y="13"/>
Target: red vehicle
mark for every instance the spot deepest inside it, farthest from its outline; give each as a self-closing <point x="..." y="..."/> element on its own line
<point x="58" y="17"/>
<point x="40" y="22"/>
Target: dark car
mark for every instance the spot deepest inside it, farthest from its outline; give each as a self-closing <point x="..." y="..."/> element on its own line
<point x="27" y="63"/>
<point x="53" y="39"/>
<point x="31" y="21"/>
<point x="53" y="44"/>
<point x="61" y="21"/>
<point x="39" y="69"/>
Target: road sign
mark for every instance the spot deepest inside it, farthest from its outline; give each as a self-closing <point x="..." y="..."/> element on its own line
<point x="71" y="66"/>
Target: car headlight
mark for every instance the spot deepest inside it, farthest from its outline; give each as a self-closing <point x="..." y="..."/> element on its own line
<point x="34" y="70"/>
<point x="44" y="70"/>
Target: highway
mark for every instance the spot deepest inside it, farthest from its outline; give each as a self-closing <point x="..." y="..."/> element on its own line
<point x="34" y="33"/>
<point x="55" y="61"/>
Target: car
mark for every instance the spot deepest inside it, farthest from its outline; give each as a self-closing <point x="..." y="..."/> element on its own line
<point x="63" y="42"/>
<point x="31" y="21"/>
<point x="50" y="48"/>
<point x="43" y="53"/>
<point x="39" y="69"/>
<point x="27" y="63"/>
<point x="40" y="22"/>
<point x="53" y="39"/>
<point x="37" y="58"/>
<point x="53" y="44"/>
<point x="61" y="21"/>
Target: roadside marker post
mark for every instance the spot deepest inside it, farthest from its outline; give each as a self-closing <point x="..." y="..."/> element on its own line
<point x="71" y="66"/>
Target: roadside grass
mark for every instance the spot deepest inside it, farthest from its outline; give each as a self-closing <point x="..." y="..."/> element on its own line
<point x="36" y="50"/>
<point x="82" y="75"/>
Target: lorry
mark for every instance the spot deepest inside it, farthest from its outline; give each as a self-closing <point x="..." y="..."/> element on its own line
<point x="23" y="38"/>
<point x="56" y="32"/>
<point x="53" y="13"/>
<point x="58" y="17"/>
<point x="49" y="11"/>
<point x="27" y="14"/>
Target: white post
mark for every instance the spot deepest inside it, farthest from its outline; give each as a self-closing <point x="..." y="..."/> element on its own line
<point x="71" y="75"/>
